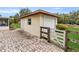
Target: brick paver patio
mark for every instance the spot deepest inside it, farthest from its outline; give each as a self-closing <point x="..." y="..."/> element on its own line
<point x="17" y="41"/>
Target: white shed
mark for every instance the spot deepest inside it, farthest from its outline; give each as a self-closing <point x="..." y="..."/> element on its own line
<point x="32" y="22"/>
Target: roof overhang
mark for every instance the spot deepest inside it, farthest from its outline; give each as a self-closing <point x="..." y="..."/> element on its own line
<point x="40" y="12"/>
<point x="4" y="18"/>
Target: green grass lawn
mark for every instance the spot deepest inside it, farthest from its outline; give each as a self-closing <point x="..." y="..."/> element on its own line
<point x="73" y="46"/>
<point x="73" y="36"/>
<point x="73" y="29"/>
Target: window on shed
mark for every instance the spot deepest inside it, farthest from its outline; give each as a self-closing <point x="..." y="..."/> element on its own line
<point x="29" y="21"/>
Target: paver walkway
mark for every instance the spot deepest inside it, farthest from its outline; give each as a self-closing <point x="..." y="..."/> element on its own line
<point x="17" y="41"/>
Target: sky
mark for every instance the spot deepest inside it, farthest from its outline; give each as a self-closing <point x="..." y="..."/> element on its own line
<point x="10" y="11"/>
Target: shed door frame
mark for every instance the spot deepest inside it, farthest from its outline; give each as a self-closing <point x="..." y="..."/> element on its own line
<point x="49" y="21"/>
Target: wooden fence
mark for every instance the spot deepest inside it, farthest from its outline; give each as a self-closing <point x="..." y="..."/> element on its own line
<point x="72" y="41"/>
<point x="68" y="40"/>
<point x="60" y="38"/>
<point x="45" y="33"/>
<point x="57" y="36"/>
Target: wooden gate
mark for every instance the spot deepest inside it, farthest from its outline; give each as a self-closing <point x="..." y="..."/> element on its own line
<point x="45" y="33"/>
<point x="60" y="37"/>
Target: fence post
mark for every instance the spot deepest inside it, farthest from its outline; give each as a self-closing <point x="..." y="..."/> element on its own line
<point x="66" y="40"/>
<point x="48" y="34"/>
<point x="40" y="32"/>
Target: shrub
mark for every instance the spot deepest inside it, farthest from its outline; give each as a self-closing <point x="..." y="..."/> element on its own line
<point x="62" y="27"/>
<point x="71" y="21"/>
<point x="77" y="22"/>
<point x="15" y="25"/>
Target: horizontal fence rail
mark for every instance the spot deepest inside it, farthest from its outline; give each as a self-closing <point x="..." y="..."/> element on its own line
<point x="58" y="37"/>
<point x="72" y="41"/>
<point x="45" y="33"/>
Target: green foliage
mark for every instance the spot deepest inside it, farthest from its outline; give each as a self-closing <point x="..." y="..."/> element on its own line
<point x="71" y="22"/>
<point x="24" y="11"/>
<point x="14" y="20"/>
<point x="11" y="20"/>
<point x="61" y="27"/>
<point x="70" y="18"/>
<point x="77" y="22"/>
<point x="15" y="25"/>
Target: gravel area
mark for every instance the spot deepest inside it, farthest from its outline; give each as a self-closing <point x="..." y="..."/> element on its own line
<point x="19" y="41"/>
